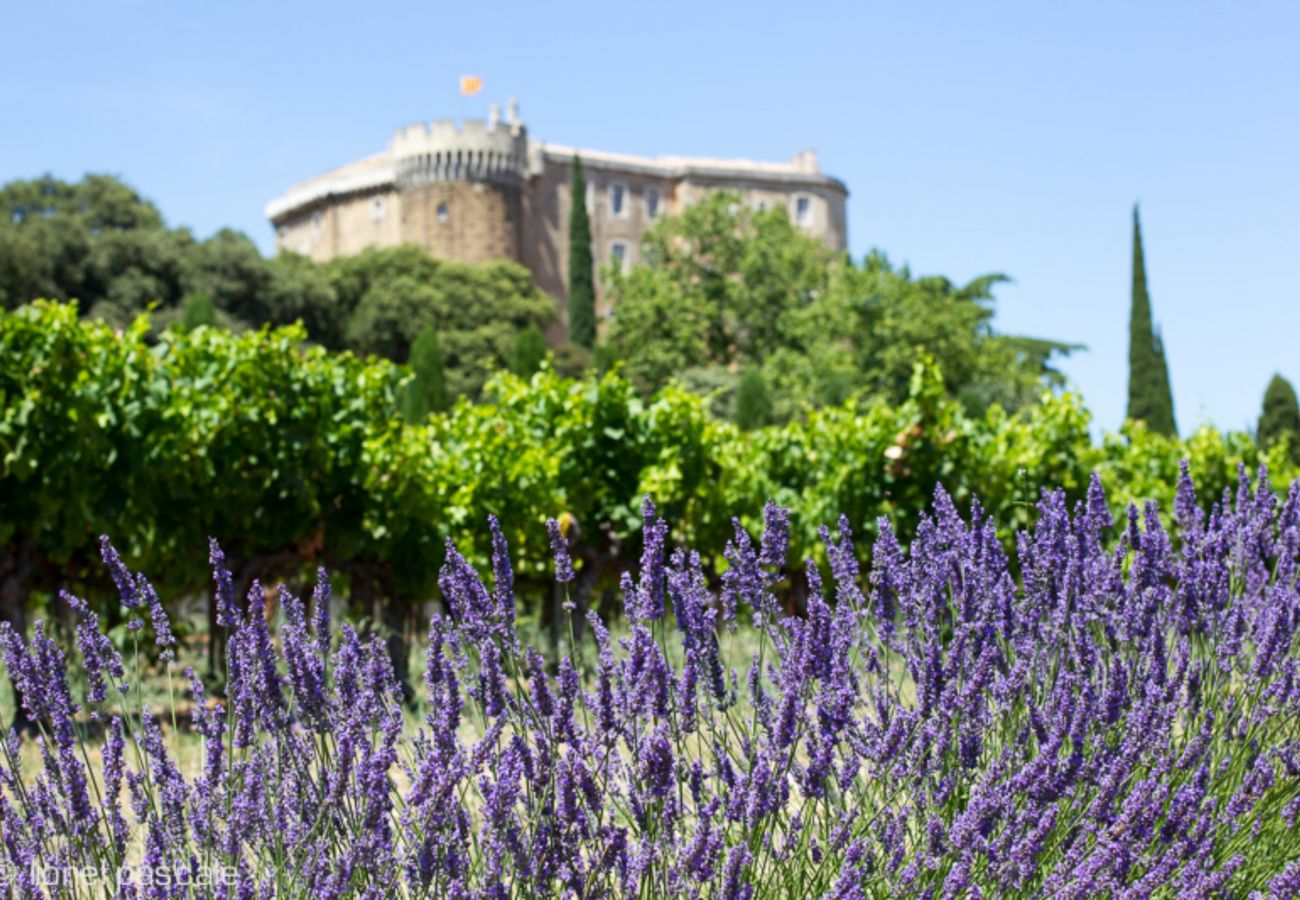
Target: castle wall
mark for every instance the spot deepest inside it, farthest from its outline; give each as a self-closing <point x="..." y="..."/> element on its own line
<point x="469" y="221"/>
<point x="344" y="226"/>
<point x="545" y="246"/>
<point x="549" y="202"/>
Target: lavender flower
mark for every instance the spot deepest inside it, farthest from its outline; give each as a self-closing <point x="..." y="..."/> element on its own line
<point x="1099" y="714"/>
<point x="162" y="629"/>
<point x="559" y="552"/>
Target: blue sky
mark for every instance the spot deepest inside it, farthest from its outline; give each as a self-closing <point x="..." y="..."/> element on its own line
<point x="974" y="137"/>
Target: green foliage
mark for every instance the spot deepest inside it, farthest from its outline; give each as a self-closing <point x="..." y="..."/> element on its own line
<point x="582" y="278"/>
<point x="530" y="351"/>
<point x="292" y="456"/>
<point x="93" y="239"/>
<point x="426" y="392"/>
<point x="572" y="360"/>
<point x="1279" y="420"/>
<point x="386" y="296"/>
<point x="252" y="437"/>
<point x="99" y="242"/>
<point x="726" y="285"/>
<point x="198" y="310"/>
<point x="1150" y="395"/>
<point x="753" y="405"/>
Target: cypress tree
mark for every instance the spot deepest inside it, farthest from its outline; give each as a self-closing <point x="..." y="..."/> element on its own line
<point x="1150" y="396"/>
<point x="582" y="283"/>
<point x="197" y="309"/>
<point x="753" y="405"/>
<point x="530" y="351"/>
<point x="1166" y="392"/>
<point x="1280" y="417"/>
<point x="427" y="391"/>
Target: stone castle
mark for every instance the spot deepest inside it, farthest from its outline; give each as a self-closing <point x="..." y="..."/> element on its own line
<point x="481" y="191"/>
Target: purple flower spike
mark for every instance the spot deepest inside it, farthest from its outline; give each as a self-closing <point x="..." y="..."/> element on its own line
<point x="560" y="552"/>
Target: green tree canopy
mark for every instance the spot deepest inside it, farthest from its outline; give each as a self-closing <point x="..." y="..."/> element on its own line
<point x="101" y="243"/>
<point x="386" y="296"/>
<point x="726" y="285"/>
<point x="97" y="240"/>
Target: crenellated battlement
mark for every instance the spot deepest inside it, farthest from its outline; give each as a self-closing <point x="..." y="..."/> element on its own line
<point x="446" y="150"/>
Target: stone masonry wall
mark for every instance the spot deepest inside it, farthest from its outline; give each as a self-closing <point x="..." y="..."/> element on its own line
<point x="469" y="221"/>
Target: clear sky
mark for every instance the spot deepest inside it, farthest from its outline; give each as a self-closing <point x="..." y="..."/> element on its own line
<point x="974" y="137"/>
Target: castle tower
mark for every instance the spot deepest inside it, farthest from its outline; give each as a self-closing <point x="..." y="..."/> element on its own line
<point x="461" y="187"/>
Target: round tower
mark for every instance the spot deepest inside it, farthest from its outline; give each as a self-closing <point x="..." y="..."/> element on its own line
<point x="461" y="186"/>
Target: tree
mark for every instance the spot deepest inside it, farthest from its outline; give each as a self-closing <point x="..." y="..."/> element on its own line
<point x="101" y="243"/>
<point x="196" y="310"/>
<point x="426" y="392"/>
<point x="530" y="352"/>
<point x="753" y="406"/>
<point x="582" y="282"/>
<point x="726" y="287"/>
<point x="386" y="296"/>
<point x="1280" y="417"/>
<point x="1150" y="396"/>
<point x="96" y="240"/>
<point x="722" y="285"/>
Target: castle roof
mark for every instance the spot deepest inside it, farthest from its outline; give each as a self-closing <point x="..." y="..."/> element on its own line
<point x="379" y="171"/>
<point x="371" y="173"/>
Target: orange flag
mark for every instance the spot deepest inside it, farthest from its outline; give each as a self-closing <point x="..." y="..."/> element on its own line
<point x="470" y="84"/>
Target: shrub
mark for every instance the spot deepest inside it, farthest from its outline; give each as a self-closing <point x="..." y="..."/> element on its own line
<point x="299" y="456"/>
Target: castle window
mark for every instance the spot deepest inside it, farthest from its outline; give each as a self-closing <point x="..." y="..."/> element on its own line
<point x="377" y="209"/>
<point x="651" y="203"/>
<point x="618" y="200"/>
<point x="315" y="221"/>
<point x="803" y="211"/>
<point x="617" y="253"/>
<point x="443" y="212"/>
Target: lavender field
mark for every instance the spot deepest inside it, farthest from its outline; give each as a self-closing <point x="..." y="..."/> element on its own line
<point x="1111" y="711"/>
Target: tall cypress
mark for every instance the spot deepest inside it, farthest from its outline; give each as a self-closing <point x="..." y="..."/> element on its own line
<point x="427" y="391"/>
<point x="753" y="404"/>
<point x="530" y="352"/>
<point x="582" y="282"/>
<point x="198" y="309"/>
<point x="1150" y="396"/>
<point x="1280" y="417"/>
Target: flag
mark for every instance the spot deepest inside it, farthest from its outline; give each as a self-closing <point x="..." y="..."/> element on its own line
<point x="470" y="84"/>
